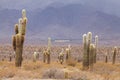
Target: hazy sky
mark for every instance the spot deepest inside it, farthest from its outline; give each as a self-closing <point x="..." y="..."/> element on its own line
<point x="108" y="6"/>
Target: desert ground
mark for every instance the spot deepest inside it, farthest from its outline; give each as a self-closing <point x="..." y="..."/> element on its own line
<point x="69" y="70"/>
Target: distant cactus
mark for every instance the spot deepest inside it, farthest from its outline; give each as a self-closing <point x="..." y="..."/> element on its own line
<point x="35" y="56"/>
<point x="85" y="54"/>
<point x="89" y="50"/>
<point x="96" y="47"/>
<point x="106" y="57"/>
<point x="114" y="55"/>
<point x="44" y="56"/>
<point x="68" y="52"/>
<point x="46" y="53"/>
<point x="10" y="57"/>
<point x="48" y="56"/>
<point x="18" y="39"/>
<point x="48" y="50"/>
<point x="89" y="41"/>
<point x="61" y="56"/>
<point x="91" y="55"/>
<point x="49" y="43"/>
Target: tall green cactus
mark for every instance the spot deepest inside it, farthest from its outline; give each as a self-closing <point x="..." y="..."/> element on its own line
<point x="114" y="55"/>
<point x="89" y="41"/>
<point x="96" y="47"/>
<point x="106" y="57"/>
<point x="18" y="39"/>
<point x="61" y="56"/>
<point x="35" y="56"/>
<point x="46" y="54"/>
<point x="85" y="54"/>
<point x="91" y="55"/>
<point x="89" y="50"/>
<point x="68" y="52"/>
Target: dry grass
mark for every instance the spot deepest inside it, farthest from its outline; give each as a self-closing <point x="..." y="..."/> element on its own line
<point x="71" y="62"/>
<point x="38" y="70"/>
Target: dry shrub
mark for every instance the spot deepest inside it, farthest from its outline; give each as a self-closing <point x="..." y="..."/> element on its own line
<point x="53" y="73"/>
<point x="71" y="62"/>
<point x="32" y="66"/>
<point x="7" y="74"/>
<point x="77" y="76"/>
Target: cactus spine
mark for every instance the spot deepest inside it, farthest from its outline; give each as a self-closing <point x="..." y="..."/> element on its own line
<point x="114" y="55"/>
<point x="18" y="39"/>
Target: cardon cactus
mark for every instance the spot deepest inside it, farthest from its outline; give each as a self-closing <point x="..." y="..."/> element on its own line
<point x="87" y="39"/>
<point x="44" y="56"/>
<point x="85" y="54"/>
<point x="96" y="47"/>
<point x="91" y="55"/>
<point x="89" y="51"/>
<point x="68" y="52"/>
<point x="10" y="57"/>
<point x="48" y="56"/>
<point x="18" y="40"/>
<point x="106" y="57"/>
<point x="49" y="43"/>
<point x="114" y="55"/>
<point x="35" y="56"/>
<point x="46" y="53"/>
<point x="48" y="50"/>
<point x="61" y="56"/>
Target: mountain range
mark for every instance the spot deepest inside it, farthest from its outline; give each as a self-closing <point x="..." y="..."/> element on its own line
<point x="63" y="22"/>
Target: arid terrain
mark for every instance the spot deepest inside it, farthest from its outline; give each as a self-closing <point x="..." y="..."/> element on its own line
<point x="68" y="70"/>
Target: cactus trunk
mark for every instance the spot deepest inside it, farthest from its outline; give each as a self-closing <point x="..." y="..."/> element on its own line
<point x="91" y="56"/>
<point x="114" y="55"/>
<point x="96" y="47"/>
<point x="19" y="50"/>
<point x="106" y="59"/>
<point x="85" y="54"/>
<point x="44" y="56"/>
